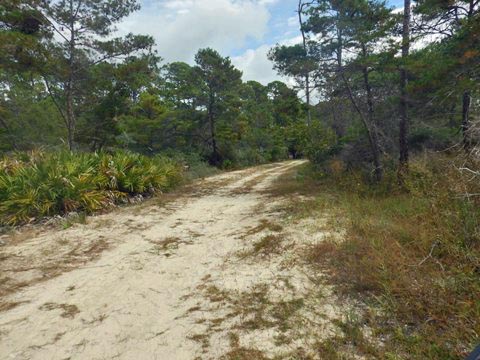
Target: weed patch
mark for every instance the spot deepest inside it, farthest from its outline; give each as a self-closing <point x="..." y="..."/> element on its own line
<point x="244" y="354"/>
<point x="269" y="244"/>
<point x="264" y="225"/>
<point x="410" y="255"/>
<point x="68" y="311"/>
<point x="8" y="305"/>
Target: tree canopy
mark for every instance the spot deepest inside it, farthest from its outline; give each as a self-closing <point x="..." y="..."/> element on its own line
<point x="67" y="80"/>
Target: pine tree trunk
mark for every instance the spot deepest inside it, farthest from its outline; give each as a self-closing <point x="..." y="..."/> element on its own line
<point x="70" y="120"/>
<point x="215" y="157"/>
<point x="70" y="111"/>
<point x="372" y="128"/>
<point x="404" y="121"/>
<point x="307" y="74"/>
<point x="367" y="122"/>
<point x="10" y="136"/>
<point x="371" y="132"/>
<point x="307" y="90"/>
<point x="466" y="101"/>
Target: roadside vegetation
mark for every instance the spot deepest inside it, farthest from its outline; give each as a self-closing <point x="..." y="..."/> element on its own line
<point x="409" y="257"/>
<point x="405" y="193"/>
<point x="39" y="184"/>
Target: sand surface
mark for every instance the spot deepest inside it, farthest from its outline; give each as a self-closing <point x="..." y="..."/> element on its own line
<point x="194" y="277"/>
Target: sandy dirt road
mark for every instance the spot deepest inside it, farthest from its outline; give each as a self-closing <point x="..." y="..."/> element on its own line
<point x="213" y="273"/>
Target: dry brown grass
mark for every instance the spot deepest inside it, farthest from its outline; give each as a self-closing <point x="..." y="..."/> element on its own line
<point x="241" y="353"/>
<point x="53" y="259"/>
<point x="264" y="225"/>
<point x="170" y="241"/>
<point x="167" y="245"/>
<point x="255" y="309"/>
<point x="215" y="294"/>
<point x="247" y="311"/>
<point x="209" y="186"/>
<point x="203" y="339"/>
<point x="250" y="184"/>
<point x="268" y="245"/>
<point x="412" y="258"/>
<point x="68" y="311"/>
<point x="8" y="305"/>
<point x="16" y="236"/>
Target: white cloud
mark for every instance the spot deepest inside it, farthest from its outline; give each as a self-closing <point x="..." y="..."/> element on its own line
<point x="256" y="66"/>
<point x="268" y="2"/>
<point x="181" y="27"/>
<point x="292" y="21"/>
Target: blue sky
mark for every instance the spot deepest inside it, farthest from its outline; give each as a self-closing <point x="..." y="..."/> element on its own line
<point x="243" y="29"/>
<point x="280" y="12"/>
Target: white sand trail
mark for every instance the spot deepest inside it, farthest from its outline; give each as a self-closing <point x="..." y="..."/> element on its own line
<point x="148" y="292"/>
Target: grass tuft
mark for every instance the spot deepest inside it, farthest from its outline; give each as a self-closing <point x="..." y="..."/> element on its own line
<point x="267" y="245"/>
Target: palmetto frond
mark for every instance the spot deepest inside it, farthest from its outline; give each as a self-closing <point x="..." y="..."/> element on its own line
<point x="38" y="184"/>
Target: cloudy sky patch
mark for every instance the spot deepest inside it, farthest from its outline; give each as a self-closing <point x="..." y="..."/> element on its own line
<point x="245" y="30"/>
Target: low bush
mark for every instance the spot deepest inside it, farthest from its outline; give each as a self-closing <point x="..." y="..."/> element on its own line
<point x="38" y="184"/>
<point x="412" y="254"/>
<point x="193" y="163"/>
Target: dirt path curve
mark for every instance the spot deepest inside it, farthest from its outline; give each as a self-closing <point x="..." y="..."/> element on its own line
<point x="167" y="281"/>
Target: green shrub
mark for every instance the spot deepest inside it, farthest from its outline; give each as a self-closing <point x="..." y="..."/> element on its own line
<point x="39" y="184"/>
<point x="194" y="165"/>
<point x="318" y="143"/>
<point x="415" y="252"/>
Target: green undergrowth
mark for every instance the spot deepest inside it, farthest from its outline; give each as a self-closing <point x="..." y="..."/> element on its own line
<point x="410" y="254"/>
<point x="40" y="184"/>
<point x="194" y="166"/>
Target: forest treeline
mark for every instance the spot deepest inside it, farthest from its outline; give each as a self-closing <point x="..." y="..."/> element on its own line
<point x="373" y="84"/>
<point x="390" y="82"/>
<point x="66" y="81"/>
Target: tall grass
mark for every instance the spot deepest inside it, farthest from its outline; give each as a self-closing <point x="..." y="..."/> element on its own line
<point x="414" y="255"/>
<point x="39" y="184"/>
